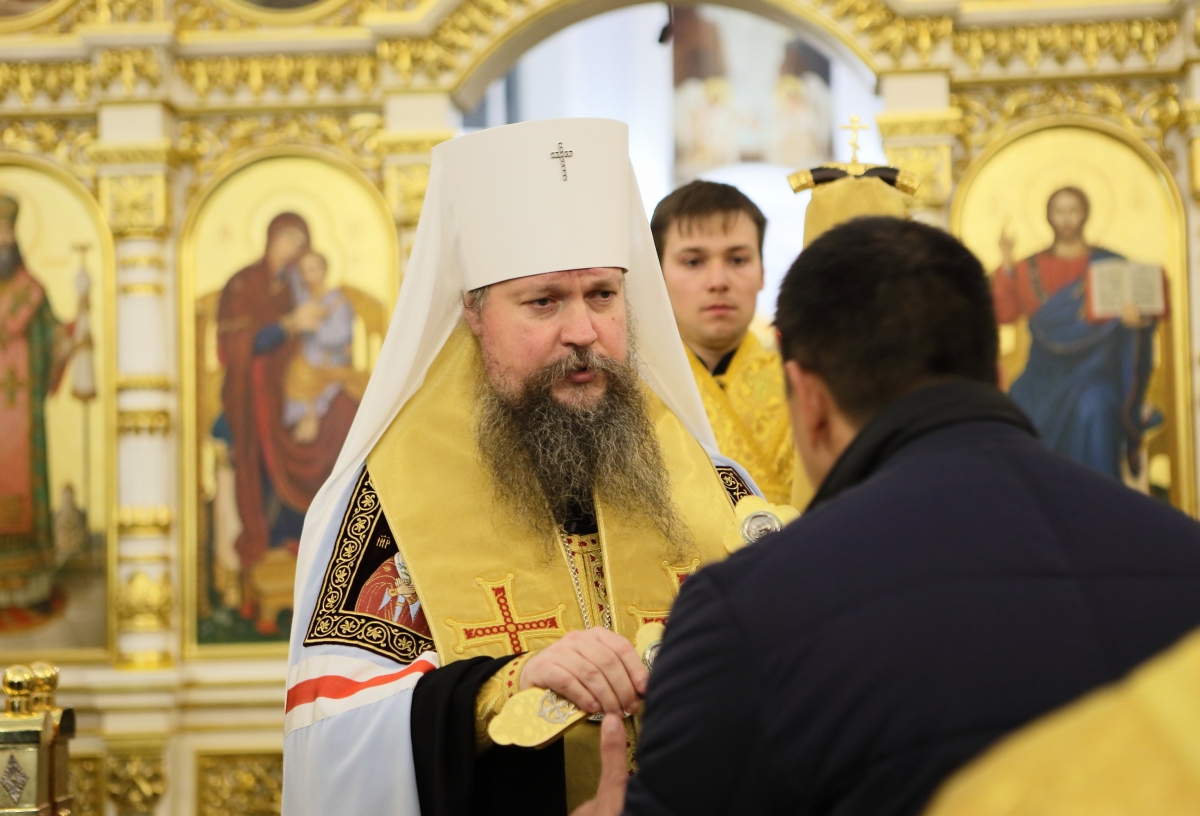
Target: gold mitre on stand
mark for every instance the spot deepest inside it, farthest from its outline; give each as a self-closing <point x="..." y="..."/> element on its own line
<point x="842" y="192"/>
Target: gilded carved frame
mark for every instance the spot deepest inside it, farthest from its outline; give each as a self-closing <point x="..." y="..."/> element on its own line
<point x="107" y="386"/>
<point x="188" y="394"/>
<point x="1179" y="367"/>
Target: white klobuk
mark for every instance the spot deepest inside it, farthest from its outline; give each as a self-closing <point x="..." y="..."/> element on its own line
<point x="504" y="203"/>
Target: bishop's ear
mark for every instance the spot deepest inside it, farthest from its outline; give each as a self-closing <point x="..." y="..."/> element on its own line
<point x="473" y="314"/>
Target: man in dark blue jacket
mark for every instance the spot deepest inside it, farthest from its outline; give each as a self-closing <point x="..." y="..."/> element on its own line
<point x="952" y="579"/>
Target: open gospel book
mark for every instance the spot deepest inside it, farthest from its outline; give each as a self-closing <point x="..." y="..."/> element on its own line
<point x="1115" y="284"/>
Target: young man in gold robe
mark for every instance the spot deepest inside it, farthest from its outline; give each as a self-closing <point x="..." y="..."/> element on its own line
<point x="528" y="482"/>
<point x="709" y="240"/>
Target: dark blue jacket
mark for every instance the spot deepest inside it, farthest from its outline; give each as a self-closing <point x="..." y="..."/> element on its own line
<point x="970" y="582"/>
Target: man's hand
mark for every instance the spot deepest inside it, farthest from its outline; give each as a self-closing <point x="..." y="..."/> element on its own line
<point x="610" y="795"/>
<point x="595" y="669"/>
<point x="307" y="316"/>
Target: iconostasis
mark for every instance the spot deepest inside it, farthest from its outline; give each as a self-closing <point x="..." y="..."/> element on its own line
<point x="179" y="178"/>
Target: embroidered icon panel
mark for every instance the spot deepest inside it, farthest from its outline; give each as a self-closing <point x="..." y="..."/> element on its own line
<point x="734" y="484"/>
<point x="367" y="597"/>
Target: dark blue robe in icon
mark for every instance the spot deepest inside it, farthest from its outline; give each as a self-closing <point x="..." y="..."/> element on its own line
<point x="1085" y="383"/>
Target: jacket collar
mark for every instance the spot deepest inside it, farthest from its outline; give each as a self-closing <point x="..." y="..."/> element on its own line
<point x="914" y="415"/>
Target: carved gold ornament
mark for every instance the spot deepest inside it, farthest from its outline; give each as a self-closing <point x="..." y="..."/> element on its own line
<point x="155" y="152"/>
<point x="1149" y="110"/>
<point x="136" y="781"/>
<point x="236" y="784"/>
<point x="933" y="164"/>
<point x="404" y="188"/>
<point x="144" y="603"/>
<point x="135" y="205"/>
<point x="154" y="421"/>
<point x="144" y="521"/>
<point x="128" y="65"/>
<point x="30" y="79"/>
<point x="143" y="382"/>
<point x="212" y="145"/>
<point x="66" y="141"/>
<point x="887" y="32"/>
<point x="86" y="777"/>
<point x="909" y="124"/>
<point x="280" y="72"/>
<point x="1091" y="41"/>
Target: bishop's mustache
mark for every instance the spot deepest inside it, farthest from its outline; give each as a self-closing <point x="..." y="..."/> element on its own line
<point x="580" y="359"/>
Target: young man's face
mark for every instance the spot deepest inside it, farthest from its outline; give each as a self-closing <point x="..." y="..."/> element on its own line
<point x="527" y="324"/>
<point x="714" y="273"/>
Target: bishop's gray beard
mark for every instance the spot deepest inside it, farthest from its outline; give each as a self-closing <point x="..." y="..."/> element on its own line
<point x="547" y="459"/>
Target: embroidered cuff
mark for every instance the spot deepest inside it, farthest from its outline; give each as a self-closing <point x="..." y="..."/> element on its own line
<point x="493" y="694"/>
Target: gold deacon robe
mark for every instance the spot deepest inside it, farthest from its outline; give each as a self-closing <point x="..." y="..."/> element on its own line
<point x="486" y="583"/>
<point x="747" y="408"/>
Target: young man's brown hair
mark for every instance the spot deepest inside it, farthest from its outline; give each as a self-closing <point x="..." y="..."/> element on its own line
<point x="700" y="200"/>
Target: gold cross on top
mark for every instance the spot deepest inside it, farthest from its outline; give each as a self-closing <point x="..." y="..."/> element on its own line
<point x="854" y="127"/>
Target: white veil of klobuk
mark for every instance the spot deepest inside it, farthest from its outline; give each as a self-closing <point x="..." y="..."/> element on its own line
<point x="500" y="206"/>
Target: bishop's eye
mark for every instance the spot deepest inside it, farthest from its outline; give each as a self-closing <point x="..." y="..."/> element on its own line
<point x="541" y="303"/>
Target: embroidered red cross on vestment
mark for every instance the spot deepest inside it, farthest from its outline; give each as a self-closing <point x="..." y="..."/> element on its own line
<point x="677" y="575"/>
<point x="507" y="627"/>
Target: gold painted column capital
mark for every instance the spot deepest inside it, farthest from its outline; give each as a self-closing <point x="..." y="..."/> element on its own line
<point x="922" y="142"/>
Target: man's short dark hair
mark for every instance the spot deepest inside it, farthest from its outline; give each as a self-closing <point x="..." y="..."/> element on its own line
<point x="698" y="201"/>
<point x="881" y="306"/>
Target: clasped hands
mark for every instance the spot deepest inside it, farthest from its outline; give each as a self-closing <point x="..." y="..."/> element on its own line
<point x="597" y="670"/>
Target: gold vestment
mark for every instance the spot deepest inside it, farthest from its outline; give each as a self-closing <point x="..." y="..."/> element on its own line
<point x="747" y="408"/>
<point x="488" y="583"/>
<point x="1133" y="747"/>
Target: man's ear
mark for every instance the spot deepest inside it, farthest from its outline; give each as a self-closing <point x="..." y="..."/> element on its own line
<point x="811" y="398"/>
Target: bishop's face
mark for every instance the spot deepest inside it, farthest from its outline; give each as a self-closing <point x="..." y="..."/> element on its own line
<point x="527" y="324"/>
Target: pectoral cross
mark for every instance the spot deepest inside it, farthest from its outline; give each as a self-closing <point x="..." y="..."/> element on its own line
<point x="854" y="127"/>
<point x="507" y="626"/>
<point x="562" y="156"/>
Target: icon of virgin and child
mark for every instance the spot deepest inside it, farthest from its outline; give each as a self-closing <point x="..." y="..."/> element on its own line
<point x="1084" y="385"/>
<point x="285" y="339"/>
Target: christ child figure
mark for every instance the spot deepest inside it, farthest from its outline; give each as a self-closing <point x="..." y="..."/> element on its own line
<point x="322" y="364"/>
<point x="389" y="594"/>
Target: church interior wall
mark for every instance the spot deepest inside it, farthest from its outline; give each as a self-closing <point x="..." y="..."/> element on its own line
<point x="140" y="107"/>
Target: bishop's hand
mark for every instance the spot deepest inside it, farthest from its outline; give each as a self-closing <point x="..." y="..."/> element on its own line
<point x="595" y="669"/>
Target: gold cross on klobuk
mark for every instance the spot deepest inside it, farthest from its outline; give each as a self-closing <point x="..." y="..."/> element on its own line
<point x="507" y="627"/>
